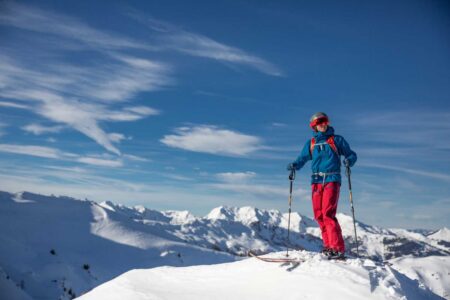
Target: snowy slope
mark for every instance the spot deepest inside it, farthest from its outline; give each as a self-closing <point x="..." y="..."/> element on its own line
<point x="11" y="290"/>
<point x="253" y="279"/>
<point x="62" y="247"/>
<point x="441" y="235"/>
<point x="383" y="244"/>
<point x="432" y="271"/>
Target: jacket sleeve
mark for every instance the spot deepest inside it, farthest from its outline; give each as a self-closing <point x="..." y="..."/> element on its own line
<point x="344" y="149"/>
<point x="304" y="156"/>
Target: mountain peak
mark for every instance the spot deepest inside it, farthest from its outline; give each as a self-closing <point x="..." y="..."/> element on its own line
<point x="441" y="234"/>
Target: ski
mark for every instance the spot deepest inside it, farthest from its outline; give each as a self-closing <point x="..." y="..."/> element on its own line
<point x="342" y="259"/>
<point x="339" y="259"/>
<point x="276" y="259"/>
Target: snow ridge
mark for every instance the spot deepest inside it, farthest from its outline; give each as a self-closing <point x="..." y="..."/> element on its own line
<point x="317" y="278"/>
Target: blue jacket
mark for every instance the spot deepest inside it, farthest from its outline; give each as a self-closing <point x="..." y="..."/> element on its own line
<point x="325" y="159"/>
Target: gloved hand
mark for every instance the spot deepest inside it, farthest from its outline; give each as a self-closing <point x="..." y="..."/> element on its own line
<point x="346" y="162"/>
<point x="291" y="166"/>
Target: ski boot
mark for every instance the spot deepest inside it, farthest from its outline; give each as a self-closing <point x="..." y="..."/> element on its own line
<point x="326" y="251"/>
<point x="336" y="255"/>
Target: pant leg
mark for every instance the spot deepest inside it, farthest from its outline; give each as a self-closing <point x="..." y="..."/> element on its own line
<point x="330" y="200"/>
<point x="317" y="209"/>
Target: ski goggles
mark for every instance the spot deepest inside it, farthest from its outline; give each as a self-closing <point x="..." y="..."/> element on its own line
<point x="319" y="121"/>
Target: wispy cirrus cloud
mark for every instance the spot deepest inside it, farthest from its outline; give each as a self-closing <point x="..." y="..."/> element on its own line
<point x="142" y="110"/>
<point x="54" y="153"/>
<point x="37" y="129"/>
<point x="194" y="44"/>
<point x="279" y="125"/>
<point x="202" y="46"/>
<point x="260" y="189"/>
<point x="46" y="22"/>
<point x="13" y="105"/>
<point x="33" y="150"/>
<point x="433" y="175"/>
<point x="136" y="158"/>
<point x="235" y="176"/>
<point x="100" y="162"/>
<point x="118" y="137"/>
<point x="392" y="127"/>
<point x="77" y="91"/>
<point x="82" y="91"/>
<point x="57" y="101"/>
<point x="213" y="140"/>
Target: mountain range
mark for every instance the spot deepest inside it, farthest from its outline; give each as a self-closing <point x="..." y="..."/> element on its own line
<point x="60" y="248"/>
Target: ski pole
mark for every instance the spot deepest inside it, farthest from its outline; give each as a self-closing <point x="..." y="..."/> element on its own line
<point x="348" y="173"/>
<point x="291" y="179"/>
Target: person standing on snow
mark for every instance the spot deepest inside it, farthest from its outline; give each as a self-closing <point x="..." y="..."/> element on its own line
<point x="325" y="149"/>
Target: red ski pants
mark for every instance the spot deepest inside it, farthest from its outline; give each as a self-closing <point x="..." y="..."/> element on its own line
<point x="325" y="201"/>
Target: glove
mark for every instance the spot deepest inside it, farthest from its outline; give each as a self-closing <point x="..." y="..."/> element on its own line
<point x="291" y="167"/>
<point x="346" y="162"/>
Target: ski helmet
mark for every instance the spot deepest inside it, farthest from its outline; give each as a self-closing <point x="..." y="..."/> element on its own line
<point x="318" y="118"/>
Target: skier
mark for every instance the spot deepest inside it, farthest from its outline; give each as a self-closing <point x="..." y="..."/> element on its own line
<point x="325" y="149"/>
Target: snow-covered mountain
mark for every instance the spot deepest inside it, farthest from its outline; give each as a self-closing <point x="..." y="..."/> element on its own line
<point x="55" y="247"/>
<point x="59" y="247"/>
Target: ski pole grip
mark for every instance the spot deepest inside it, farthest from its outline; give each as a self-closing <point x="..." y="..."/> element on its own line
<point x="292" y="175"/>
<point x="348" y="171"/>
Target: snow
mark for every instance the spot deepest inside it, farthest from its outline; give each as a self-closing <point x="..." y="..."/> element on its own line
<point x="108" y="241"/>
<point x="60" y="247"/>
<point x="10" y="290"/>
<point x="442" y="234"/>
<point x="432" y="272"/>
<point x="179" y="217"/>
<point x="251" y="278"/>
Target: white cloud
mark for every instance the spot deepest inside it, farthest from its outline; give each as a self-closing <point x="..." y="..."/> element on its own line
<point x="101" y="188"/>
<point x="236" y="176"/>
<point x="53" y="153"/>
<point x="77" y="95"/>
<point x="199" y="45"/>
<point x="100" y="162"/>
<point x="54" y="104"/>
<point x="435" y="175"/>
<point x="117" y="137"/>
<point x="80" y="116"/>
<point x="123" y="77"/>
<point x="130" y="114"/>
<point x="214" y="140"/>
<point x="37" y="20"/>
<point x="202" y="46"/>
<point x="84" y="94"/>
<point x="39" y="129"/>
<point x="136" y="158"/>
<point x="260" y="189"/>
<point x="178" y="177"/>
<point x="38" y="151"/>
<point x="426" y="126"/>
<point x="13" y="105"/>
<point x="143" y="110"/>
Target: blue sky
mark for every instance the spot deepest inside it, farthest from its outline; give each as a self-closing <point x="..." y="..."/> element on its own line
<point x="189" y="105"/>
